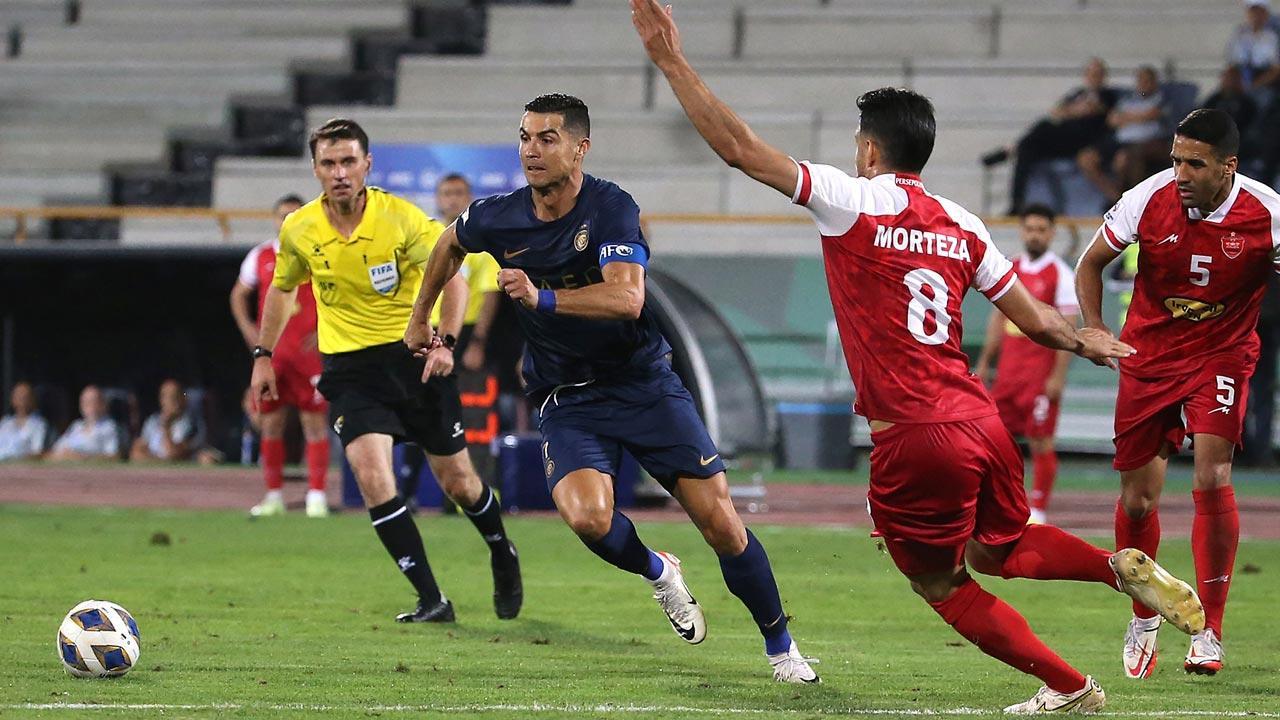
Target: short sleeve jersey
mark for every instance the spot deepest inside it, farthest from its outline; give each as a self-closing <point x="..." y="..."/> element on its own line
<point x="566" y="253"/>
<point x="256" y="272"/>
<point x="365" y="285"/>
<point x="1200" y="279"/>
<point x="899" y="261"/>
<point x="1049" y="280"/>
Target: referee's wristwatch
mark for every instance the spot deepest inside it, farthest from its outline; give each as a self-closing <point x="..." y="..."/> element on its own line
<point x="449" y="341"/>
<point x="260" y="352"/>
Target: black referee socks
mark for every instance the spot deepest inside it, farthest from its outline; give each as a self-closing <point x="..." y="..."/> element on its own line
<point x="399" y="535"/>
<point x="486" y="515"/>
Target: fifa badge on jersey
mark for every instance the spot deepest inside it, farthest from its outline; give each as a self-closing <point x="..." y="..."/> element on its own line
<point x="580" y="239"/>
<point x="384" y="277"/>
<point x="1232" y="245"/>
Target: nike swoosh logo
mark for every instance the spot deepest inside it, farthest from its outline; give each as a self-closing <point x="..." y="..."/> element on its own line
<point x="707" y="461"/>
<point x="685" y="632"/>
<point x="508" y="254"/>
<point x="1137" y="668"/>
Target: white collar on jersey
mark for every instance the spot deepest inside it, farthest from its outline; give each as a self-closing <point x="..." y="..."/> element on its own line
<point x="1220" y="214"/>
<point x="1040" y="263"/>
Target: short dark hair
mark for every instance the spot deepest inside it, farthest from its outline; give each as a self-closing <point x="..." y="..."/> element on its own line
<point x="1039" y="210"/>
<point x="290" y="199"/>
<point x="902" y="122"/>
<point x="576" y="118"/>
<point x="339" y="129"/>
<point x="1214" y="127"/>
<point x="454" y="177"/>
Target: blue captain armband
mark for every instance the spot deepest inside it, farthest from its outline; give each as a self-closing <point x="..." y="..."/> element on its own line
<point x="624" y="252"/>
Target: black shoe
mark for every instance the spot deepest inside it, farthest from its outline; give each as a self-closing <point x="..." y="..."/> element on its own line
<point x="995" y="157"/>
<point x="508" y="591"/>
<point x="441" y="612"/>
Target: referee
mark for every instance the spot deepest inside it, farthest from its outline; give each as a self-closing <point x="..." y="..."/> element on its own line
<point x="363" y="251"/>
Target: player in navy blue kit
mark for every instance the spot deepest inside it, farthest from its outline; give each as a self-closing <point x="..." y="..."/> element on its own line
<point x="599" y="369"/>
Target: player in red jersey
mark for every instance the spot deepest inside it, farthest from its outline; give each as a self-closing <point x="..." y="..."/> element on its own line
<point x="297" y="364"/>
<point x="946" y="477"/>
<point x="1029" y="376"/>
<point x="1208" y="238"/>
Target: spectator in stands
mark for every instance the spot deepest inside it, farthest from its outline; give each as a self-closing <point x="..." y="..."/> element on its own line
<point x="172" y="433"/>
<point x="1255" y="48"/>
<point x="24" y="431"/>
<point x="1139" y="144"/>
<point x="1232" y="98"/>
<point x="95" y="436"/>
<point x="1076" y="122"/>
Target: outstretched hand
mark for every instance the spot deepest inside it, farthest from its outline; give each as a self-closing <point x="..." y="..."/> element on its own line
<point x="657" y="31"/>
<point x="1101" y="347"/>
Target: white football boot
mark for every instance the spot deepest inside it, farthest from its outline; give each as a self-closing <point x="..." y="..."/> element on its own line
<point x="1140" y="647"/>
<point x="677" y="602"/>
<point x="1088" y="699"/>
<point x="1142" y="579"/>
<point x="272" y="504"/>
<point x="792" y="667"/>
<point x="317" y="504"/>
<point x="1205" y="655"/>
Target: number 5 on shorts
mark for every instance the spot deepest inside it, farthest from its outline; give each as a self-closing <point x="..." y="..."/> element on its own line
<point x="1227" y="386"/>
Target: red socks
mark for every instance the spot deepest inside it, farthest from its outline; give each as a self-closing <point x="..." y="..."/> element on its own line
<point x="1045" y="467"/>
<point x="1143" y="534"/>
<point x="1215" y="534"/>
<point x="1045" y="552"/>
<point x="317" y="463"/>
<point x="272" y="457"/>
<point x="1001" y="632"/>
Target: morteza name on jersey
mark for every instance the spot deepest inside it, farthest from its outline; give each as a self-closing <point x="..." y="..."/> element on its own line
<point x="919" y="241"/>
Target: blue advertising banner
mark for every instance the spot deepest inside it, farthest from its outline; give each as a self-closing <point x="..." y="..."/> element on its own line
<point x="411" y="170"/>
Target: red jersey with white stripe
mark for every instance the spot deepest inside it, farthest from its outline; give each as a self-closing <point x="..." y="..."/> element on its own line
<point x="1052" y="282"/>
<point x="899" y="262"/>
<point x="256" y="272"/>
<point x="1200" y="280"/>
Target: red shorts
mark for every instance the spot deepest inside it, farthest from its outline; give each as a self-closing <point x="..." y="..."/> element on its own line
<point x="1025" y="410"/>
<point x="296" y="378"/>
<point x="936" y="485"/>
<point x="1150" y="412"/>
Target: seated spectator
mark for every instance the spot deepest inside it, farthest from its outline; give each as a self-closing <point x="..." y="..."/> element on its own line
<point x="171" y="434"/>
<point x="1076" y="122"/>
<point x="1140" y="142"/>
<point x="22" y="433"/>
<point x="1255" y="49"/>
<point x="95" y="436"/>
<point x="1231" y="98"/>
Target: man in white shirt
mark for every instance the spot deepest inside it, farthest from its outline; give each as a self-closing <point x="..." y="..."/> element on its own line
<point x="22" y="434"/>
<point x="95" y="436"/>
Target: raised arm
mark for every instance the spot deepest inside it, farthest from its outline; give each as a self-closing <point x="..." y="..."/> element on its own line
<point x="1095" y="259"/>
<point x="731" y="138"/>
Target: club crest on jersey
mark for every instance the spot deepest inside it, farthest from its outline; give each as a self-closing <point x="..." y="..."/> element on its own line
<point x="1192" y="309"/>
<point x="1232" y="245"/>
<point x="384" y="277"/>
<point x="580" y="239"/>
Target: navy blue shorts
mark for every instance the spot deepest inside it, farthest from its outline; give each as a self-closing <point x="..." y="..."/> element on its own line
<point x="654" y="418"/>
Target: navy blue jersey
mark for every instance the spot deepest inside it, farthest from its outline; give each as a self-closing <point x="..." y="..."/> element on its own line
<point x="602" y="227"/>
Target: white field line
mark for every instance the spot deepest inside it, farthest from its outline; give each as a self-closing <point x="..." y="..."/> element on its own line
<point x="598" y="709"/>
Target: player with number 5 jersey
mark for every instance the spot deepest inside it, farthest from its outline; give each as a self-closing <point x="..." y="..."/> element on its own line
<point x="946" y="477"/>
<point x="1208" y="238"/>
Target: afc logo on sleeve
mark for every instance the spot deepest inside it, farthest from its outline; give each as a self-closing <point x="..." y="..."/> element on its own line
<point x="622" y="251"/>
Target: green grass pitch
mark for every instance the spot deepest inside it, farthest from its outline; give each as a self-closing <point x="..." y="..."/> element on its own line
<point x="293" y="618"/>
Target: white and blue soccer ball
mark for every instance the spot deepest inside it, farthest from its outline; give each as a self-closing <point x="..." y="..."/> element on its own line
<point x="98" y="639"/>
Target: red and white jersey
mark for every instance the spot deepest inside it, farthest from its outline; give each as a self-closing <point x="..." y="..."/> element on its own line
<point x="1200" y="279"/>
<point x="899" y="262"/>
<point x="1051" y="281"/>
<point x="256" y="271"/>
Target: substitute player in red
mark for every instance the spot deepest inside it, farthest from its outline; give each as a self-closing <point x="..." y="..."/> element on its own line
<point x="946" y="477"/>
<point x="1208" y="238"/>
<point x="1029" y="376"/>
<point x="297" y="364"/>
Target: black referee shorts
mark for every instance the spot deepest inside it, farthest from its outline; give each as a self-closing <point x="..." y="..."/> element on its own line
<point x="379" y="389"/>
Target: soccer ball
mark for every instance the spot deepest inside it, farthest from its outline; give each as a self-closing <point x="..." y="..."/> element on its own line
<point x="98" y="639"/>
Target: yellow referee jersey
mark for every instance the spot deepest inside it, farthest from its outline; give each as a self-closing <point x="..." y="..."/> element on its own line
<point x="365" y="284"/>
<point x="481" y="273"/>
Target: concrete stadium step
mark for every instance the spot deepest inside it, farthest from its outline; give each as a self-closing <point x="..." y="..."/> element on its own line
<point x="78" y="44"/>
